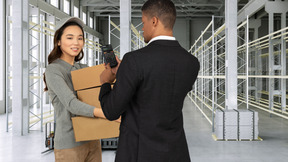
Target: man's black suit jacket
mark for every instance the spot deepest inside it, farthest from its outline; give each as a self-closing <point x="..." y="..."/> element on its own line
<point x="151" y="84"/>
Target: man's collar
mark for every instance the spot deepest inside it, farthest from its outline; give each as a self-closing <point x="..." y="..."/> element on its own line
<point x="162" y="37"/>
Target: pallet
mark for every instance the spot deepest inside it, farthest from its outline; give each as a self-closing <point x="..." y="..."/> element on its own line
<point x="216" y="139"/>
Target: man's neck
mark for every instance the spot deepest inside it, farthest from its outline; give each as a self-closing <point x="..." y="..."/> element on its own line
<point x="161" y="37"/>
<point x="163" y="33"/>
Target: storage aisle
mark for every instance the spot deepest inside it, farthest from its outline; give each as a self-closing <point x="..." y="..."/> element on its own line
<point x="203" y="148"/>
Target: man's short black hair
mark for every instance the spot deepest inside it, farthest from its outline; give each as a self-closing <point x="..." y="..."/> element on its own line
<point x="164" y="10"/>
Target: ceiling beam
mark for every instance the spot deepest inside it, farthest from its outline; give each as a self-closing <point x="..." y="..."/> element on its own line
<point x="140" y="15"/>
<point x="250" y="9"/>
<point x="84" y="1"/>
<point x="140" y="5"/>
<point x="91" y="9"/>
<point x="50" y="9"/>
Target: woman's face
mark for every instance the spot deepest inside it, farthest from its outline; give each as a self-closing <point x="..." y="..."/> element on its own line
<point x="72" y="41"/>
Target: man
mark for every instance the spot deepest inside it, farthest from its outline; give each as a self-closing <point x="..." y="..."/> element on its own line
<point x="151" y="84"/>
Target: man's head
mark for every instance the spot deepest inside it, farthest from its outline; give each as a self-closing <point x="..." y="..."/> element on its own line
<point x="158" y="17"/>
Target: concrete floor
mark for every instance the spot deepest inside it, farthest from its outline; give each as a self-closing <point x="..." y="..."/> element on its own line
<point x="273" y="130"/>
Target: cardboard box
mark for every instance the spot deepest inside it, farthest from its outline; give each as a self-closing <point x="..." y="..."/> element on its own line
<point x="87" y="84"/>
<point x="87" y="77"/>
<point x="90" y="96"/>
<point x="86" y="128"/>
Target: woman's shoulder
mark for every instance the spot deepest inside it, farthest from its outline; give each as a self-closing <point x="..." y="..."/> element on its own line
<point x="54" y="67"/>
<point x="83" y="65"/>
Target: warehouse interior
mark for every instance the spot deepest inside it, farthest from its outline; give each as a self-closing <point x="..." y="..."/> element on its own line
<point x="241" y="46"/>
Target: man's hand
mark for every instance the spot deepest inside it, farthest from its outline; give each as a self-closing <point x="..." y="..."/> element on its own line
<point x="115" y="69"/>
<point x="107" y="76"/>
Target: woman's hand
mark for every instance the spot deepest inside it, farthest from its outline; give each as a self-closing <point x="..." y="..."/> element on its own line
<point x="98" y="113"/>
<point x="118" y="120"/>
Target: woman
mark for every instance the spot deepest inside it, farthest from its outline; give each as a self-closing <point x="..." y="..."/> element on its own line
<point x="68" y="44"/>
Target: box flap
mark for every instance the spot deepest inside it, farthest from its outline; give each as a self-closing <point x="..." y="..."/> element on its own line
<point x="87" y="77"/>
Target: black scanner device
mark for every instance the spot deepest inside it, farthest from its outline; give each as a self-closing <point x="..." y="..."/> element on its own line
<point x="109" y="55"/>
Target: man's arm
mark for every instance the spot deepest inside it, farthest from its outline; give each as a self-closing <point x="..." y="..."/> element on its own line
<point x="116" y="101"/>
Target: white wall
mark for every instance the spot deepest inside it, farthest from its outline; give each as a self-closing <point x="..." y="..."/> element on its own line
<point x="196" y="27"/>
<point x="182" y="33"/>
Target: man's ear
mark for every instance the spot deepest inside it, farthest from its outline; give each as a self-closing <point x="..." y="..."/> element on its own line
<point x="155" y="21"/>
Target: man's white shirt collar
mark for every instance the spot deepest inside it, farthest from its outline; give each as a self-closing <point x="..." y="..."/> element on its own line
<point x="161" y="37"/>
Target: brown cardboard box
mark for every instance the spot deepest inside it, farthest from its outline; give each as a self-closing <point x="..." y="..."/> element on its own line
<point x="86" y="82"/>
<point x="87" y="77"/>
<point x="86" y="128"/>
<point x="90" y="96"/>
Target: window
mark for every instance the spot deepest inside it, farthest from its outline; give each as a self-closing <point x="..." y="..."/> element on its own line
<point x="84" y="17"/>
<point x="91" y="22"/>
<point x="55" y="3"/>
<point x="10" y="10"/>
<point x="76" y="11"/>
<point x="67" y="6"/>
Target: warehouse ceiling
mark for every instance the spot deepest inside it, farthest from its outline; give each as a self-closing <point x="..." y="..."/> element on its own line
<point x="185" y="8"/>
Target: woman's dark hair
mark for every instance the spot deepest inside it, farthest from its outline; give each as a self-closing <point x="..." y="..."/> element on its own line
<point x="57" y="52"/>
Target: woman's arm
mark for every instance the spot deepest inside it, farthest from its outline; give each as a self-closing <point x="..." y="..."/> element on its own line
<point x="57" y="83"/>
